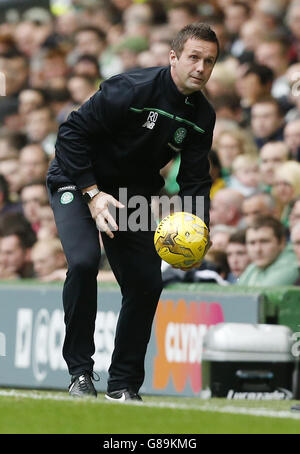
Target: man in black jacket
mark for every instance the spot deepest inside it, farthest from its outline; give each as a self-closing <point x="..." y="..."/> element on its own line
<point x="121" y="138"/>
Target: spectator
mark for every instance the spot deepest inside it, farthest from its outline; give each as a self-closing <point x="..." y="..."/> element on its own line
<point x="230" y="144"/>
<point x="236" y="14"/>
<point x="182" y="14"/>
<point x="220" y="235"/>
<point x="228" y="106"/>
<point x="222" y="81"/>
<point x="256" y="205"/>
<point x="252" y="33"/>
<point x="15" y="66"/>
<point x="270" y="13"/>
<point x="81" y="88"/>
<point x="9" y="115"/>
<point x="245" y="174"/>
<point x="41" y="127"/>
<point x="291" y="134"/>
<point x="226" y="207"/>
<point x="272" y="155"/>
<point x="16" y="241"/>
<point x="47" y="226"/>
<point x="10" y="144"/>
<point x="285" y="188"/>
<point x="33" y="195"/>
<point x="49" y="262"/>
<point x="88" y="66"/>
<point x="273" y="53"/>
<point x="10" y="169"/>
<point x="30" y="99"/>
<point x="237" y="255"/>
<point x="272" y="263"/>
<point x="6" y="206"/>
<point x="89" y="41"/>
<point x="255" y="83"/>
<point x="267" y="121"/>
<point x="60" y="103"/>
<point x="33" y="163"/>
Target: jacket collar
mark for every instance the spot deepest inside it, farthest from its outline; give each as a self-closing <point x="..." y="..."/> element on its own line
<point x="174" y="96"/>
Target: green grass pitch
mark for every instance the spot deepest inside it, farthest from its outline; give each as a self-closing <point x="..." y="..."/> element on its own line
<point x="42" y="412"/>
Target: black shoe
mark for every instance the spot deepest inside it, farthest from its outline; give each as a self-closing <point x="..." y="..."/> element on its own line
<point x="122" y="395"/>
<point x="82" y="386"/>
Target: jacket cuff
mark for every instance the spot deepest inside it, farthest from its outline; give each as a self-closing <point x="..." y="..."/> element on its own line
<point x="85" y="179"/>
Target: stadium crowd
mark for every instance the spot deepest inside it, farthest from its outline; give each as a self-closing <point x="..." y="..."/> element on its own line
<point x="53" y="60"/>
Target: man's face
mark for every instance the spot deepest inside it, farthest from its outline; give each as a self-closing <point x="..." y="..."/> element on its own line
<point x="88" y="43"/>
<point x="32" y="197"/>
<point x="33" y="164"/>
<point x="38" y="125"/>
<point x="193" y="68"/>
<point x="263" y="247"/>
<point x="251" y="87"/>
<point x="253" y="207"/>
<point x="271" y="55"/>
<point x="265" y="120"/>
<point x="228" y="148"/>
<point x="12" y="255"/>
<point x="235" y="16"/>
<point x="237" y="257"/>
<point x="292" y="135"/>
<point x="271" y="156"/>
<point x="44" y="261"/>
<point x="29" y="100"/>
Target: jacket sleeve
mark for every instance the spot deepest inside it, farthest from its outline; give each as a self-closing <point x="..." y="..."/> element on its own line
<point x="102" y="112"/>
<point x="194" y="176"/>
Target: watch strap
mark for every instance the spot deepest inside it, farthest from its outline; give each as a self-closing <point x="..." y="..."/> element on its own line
<point x="89" y="195"/>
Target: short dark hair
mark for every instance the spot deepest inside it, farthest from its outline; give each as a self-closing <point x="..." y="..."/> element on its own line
<point x="197" y="30"/>
<point x="89" y="28"/>
<point x="264" y="73"/>
<point x="16" y="224"/>
<point x="269" y="221"/>
<point x="238" y="237"/>
<point x="270" y="100"/>
<point x="230" y="100"/>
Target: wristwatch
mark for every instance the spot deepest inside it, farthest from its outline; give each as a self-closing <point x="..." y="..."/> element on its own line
<point x="89" y="195"/>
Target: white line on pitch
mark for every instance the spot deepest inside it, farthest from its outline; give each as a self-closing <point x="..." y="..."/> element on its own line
<point x="286" y="414"/>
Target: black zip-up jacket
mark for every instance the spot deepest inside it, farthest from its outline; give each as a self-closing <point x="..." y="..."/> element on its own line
<point x="131" y="128"/>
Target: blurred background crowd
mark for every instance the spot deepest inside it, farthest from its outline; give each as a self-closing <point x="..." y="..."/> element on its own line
<point x="54" y="56"/>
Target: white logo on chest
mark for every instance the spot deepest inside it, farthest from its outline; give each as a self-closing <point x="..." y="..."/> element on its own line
<point x="150" y="123"/>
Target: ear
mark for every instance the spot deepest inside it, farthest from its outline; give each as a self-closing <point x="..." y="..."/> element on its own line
<point x="172" y="58"/>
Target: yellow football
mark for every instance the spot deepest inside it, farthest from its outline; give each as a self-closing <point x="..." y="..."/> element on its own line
<point x="181" y="239"/>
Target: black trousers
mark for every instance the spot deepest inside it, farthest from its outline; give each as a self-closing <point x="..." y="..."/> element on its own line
<point x="137" y="268"/>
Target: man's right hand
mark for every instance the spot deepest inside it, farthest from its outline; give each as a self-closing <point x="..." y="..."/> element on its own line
<point x="99" y="208"/>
